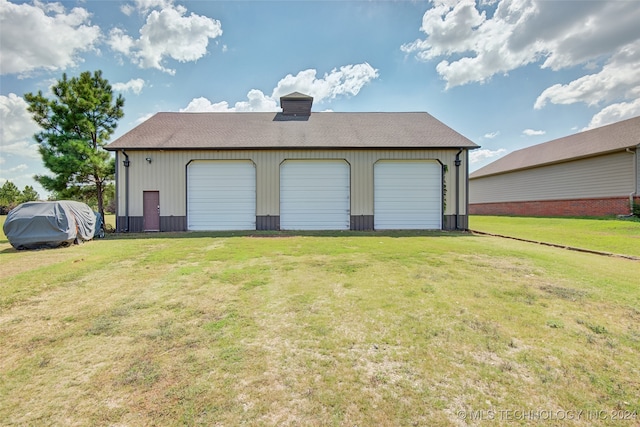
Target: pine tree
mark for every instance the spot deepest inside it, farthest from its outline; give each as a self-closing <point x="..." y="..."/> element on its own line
<point x="76" y="125"/>
<point x="28" y="195"/>
<point x="9" y="195"/>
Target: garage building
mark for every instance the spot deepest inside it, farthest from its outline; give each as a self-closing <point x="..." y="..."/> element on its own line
<point x="293" y="170"/>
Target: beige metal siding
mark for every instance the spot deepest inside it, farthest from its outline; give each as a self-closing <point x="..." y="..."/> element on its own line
<point x="604" y="176"/>
<point x="167" y="174"/>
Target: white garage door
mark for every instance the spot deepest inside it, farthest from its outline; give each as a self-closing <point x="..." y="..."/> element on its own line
<point x="407" y="195"/>
<point x="221" y="195"/>
<point x="314" y="195"/>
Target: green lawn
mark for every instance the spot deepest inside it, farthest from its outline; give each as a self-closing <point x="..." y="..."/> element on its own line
<point x="329" y="329"/>
<point x="608" y="235"/>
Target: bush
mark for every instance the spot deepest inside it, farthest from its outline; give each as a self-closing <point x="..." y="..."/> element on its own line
<point x="5" y="208"/>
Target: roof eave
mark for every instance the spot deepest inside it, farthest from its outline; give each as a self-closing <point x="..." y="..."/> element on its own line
<point x="298" y="147"/>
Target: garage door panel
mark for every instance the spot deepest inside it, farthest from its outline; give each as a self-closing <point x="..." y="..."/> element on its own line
<point x="221" y="195"/>
<point x="407" y="195"/>
<point x="314" y="195"/>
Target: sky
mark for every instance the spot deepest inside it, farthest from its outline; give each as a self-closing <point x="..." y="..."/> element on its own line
<point x="507" y="74"/>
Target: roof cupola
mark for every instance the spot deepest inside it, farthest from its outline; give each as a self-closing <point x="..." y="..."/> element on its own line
<point x="296" y="104"/>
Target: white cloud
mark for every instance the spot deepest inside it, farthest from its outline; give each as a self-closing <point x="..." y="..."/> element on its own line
<point x="133" y="85"/>
<point x="520" y="32"/>
<point x="49" y="7"/>
<point x="203" y="105"/>
<point x="144" y="6"/>
<point x="167" y="33"/>
<point x="348" y="80"/>
<point x="18" y="150"/>
<point x="22" y="148"/>
<point x="257" y="101"/>
<point x="18" y="169"/>
<point x="614" y="113"/>
<point x="531" y="132"/>
<point x="450" y="27"/>
<point x="491" y="135"/>
<point x="618" y="79"/>
<point x="17" y="130"/>
<point x="120" y="41"/>
<point x="143" y="118"/>
<point x="480" y="45"/>
<point x="127" y="9"/>
<point x="477" y="156"/>
<point x="472" y="45"/>
<point x="53" y="41"/>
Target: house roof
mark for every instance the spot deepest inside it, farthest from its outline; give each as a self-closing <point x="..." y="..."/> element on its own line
<point x="606" y="139"/>
<point x="180" y="131"/>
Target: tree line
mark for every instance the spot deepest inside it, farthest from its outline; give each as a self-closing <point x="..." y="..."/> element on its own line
<point x="11" y="196"/>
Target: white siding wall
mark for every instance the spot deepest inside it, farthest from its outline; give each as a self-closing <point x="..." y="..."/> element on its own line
<point x="167" y="174"/>
<point x="604" y="176"/>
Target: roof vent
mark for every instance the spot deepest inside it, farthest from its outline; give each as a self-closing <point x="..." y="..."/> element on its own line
<point x="296" y="104"/>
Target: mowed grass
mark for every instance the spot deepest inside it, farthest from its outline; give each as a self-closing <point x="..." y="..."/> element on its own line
<point x="617" y="236"/>
<point x="334" y="329"/>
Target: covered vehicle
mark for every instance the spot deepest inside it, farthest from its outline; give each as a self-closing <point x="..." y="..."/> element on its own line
<point x="38" y="225"/>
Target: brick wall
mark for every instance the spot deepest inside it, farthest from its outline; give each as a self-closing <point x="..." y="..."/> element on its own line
<point x="575" y="207"/>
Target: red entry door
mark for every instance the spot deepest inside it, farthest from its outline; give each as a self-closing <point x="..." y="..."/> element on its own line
<point x="151" y="210"/>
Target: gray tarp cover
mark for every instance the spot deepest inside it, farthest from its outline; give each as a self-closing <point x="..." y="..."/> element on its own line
<point x="36" y="225"/>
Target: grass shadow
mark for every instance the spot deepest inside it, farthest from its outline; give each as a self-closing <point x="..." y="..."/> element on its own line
<point x="274" y="234"/>
<point x="286" y="234"/>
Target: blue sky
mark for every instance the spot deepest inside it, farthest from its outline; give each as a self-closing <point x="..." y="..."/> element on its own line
<point x="507" y="74"/>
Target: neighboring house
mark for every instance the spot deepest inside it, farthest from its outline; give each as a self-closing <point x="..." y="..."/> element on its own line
<point x="592" y="173"/>
<point x="291" y="171"/>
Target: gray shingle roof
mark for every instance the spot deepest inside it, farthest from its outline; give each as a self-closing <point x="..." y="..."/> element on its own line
<point x="593" y="142"/>
<point x="182" y="131"/>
